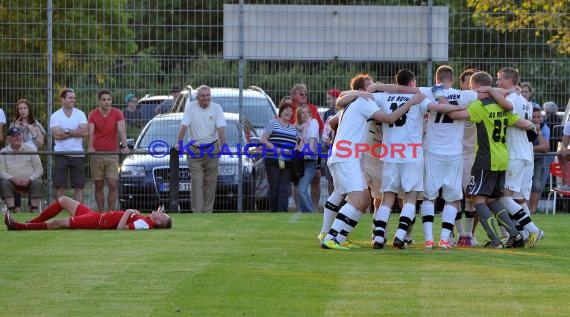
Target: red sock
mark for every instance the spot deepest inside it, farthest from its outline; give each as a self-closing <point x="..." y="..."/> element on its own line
<point x="51" y="211"/>
<point x="29" y="226"/>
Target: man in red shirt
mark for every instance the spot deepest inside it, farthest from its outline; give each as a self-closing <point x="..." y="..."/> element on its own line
<point x="299" y="94"/>
<point x="83" y="217"/>
<point x="105" y="122"/>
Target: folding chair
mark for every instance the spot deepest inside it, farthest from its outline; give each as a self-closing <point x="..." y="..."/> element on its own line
<point x="555" y="171"/>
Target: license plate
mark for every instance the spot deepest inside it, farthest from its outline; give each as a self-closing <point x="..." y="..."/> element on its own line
<point x="183" y="187"/>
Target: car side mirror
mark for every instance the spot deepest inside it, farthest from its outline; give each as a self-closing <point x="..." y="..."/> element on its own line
<point x="131" y="143"/>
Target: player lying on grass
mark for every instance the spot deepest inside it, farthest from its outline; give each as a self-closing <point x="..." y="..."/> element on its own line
<point x="83" y="217"/>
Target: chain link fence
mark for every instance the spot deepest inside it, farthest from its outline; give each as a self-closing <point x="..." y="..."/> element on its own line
<point x="147" y="51"/>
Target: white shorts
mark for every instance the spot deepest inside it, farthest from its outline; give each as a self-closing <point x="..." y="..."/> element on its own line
<point x="468" y="161"/>
<point x="348" y="177"/>
<point x="373" y="173"/>
<point x="446" y="175"/>
<point x="518" y="177"/>
<point x="408" y="177"/>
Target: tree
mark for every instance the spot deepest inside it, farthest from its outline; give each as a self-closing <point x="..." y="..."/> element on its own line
<point x="550" y="16"/>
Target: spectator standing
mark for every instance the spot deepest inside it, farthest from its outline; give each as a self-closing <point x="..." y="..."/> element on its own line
<point x="564" y="157"/>
<point x="308" y="131"/>
<point x="551" y="120"/>
<point x="205" y="123"/>
<point x="20" y="173"/>
<point x="279" y="139"/>
<point x="132" y="113"/>
<point x="299" y="94"/>
<point x="69" y="126"/>
<point x="164" y="107"/>
<point x="105" y="124"/>
<point x="540" y="145"/>
<point x="332" y="96"/>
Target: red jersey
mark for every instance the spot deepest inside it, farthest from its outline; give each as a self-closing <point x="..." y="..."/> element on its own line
<point x="110" y="220"/>
<point x="105" y="136"/>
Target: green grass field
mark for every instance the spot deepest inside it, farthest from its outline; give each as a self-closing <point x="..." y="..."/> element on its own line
<point x="271" y="265"/>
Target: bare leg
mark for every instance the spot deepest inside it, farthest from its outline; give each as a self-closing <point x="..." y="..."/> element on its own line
<point x="99" y="194"/>
<point x="533" y="202"/>
<point x="34" y="202"/>
<point x="9" y="202"/>
<point x="58" y="224"/>
<point x="59" y="191"/>
<point x="78" y="194"/>
<point x="69" y="204"/>
<point x="112" y="198"/>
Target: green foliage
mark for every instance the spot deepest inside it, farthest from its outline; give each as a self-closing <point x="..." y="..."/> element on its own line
<point x="271" y="265"/>
<point x="551" y="16"/>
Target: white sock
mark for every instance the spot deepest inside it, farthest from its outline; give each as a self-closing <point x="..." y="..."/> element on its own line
<point x="353" y="216"/>
<point x="447" y="219"/>
<point x="427" y="211"/>
<point x="333" y="201"/>
<point x="406" y="216"/>
<point x="382" y="215"/>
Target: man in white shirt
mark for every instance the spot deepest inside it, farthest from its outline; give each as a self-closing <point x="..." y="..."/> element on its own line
<point x="205" y="123"/>
<point x="69" y="126"/>
<point x="346" y="166"/>
<point x="518" y="179"/>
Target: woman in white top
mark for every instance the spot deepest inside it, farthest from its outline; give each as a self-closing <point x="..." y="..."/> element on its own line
<point x="308" y="129"/>
<point x="32" y="130"/>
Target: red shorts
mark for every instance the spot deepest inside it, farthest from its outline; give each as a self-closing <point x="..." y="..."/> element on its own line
<point x="84" y="218"/>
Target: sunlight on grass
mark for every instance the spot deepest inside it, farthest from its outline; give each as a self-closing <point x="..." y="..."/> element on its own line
<point x="271" y="265"/>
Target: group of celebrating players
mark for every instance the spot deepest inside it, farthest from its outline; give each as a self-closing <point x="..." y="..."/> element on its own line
<point x="475" y="141"/>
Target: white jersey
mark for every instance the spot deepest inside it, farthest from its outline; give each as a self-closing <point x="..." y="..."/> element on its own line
<point x="373" y="137"/>
<point x="403" y="139"/>
<point x="444" y="135"/>
<point x="517" y="141"/>
<point x="352" y="130"/>
<point x="469" y="138"/>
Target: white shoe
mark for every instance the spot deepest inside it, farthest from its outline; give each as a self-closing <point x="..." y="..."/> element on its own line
<point x="474" y="242"/>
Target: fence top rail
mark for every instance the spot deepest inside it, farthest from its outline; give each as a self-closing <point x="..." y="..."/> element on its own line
<point x="147" y="152"/>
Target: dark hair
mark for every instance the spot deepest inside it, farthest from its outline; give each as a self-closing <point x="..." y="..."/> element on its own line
<point x="405" y="77"/>
<point x="359" y="81"/>
<point x="64" y="91"/>
<point x="467" y="73"/>
<point x="283" y="104"/>
<point x="167" y="224"/>
<point x="103" y="92"/>
<point x="31" y="119"/>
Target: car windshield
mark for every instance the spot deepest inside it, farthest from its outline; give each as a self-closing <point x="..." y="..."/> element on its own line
<point x="257" y="110"/>
<point x="167" y="130"/>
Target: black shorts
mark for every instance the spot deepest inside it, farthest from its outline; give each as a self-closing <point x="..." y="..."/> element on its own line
<point x="486" y="183"/>
<point x="68" y="167"/>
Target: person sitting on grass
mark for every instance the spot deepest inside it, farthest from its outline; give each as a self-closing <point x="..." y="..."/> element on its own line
<point x="83" y="217"/>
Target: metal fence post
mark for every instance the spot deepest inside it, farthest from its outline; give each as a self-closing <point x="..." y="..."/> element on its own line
<point x="173" y="180"/>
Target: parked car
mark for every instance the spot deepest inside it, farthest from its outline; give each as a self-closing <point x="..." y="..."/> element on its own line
<point x="144" y="178"/>
<point x="148" y="103"/>
<point x="258" y="107"/>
